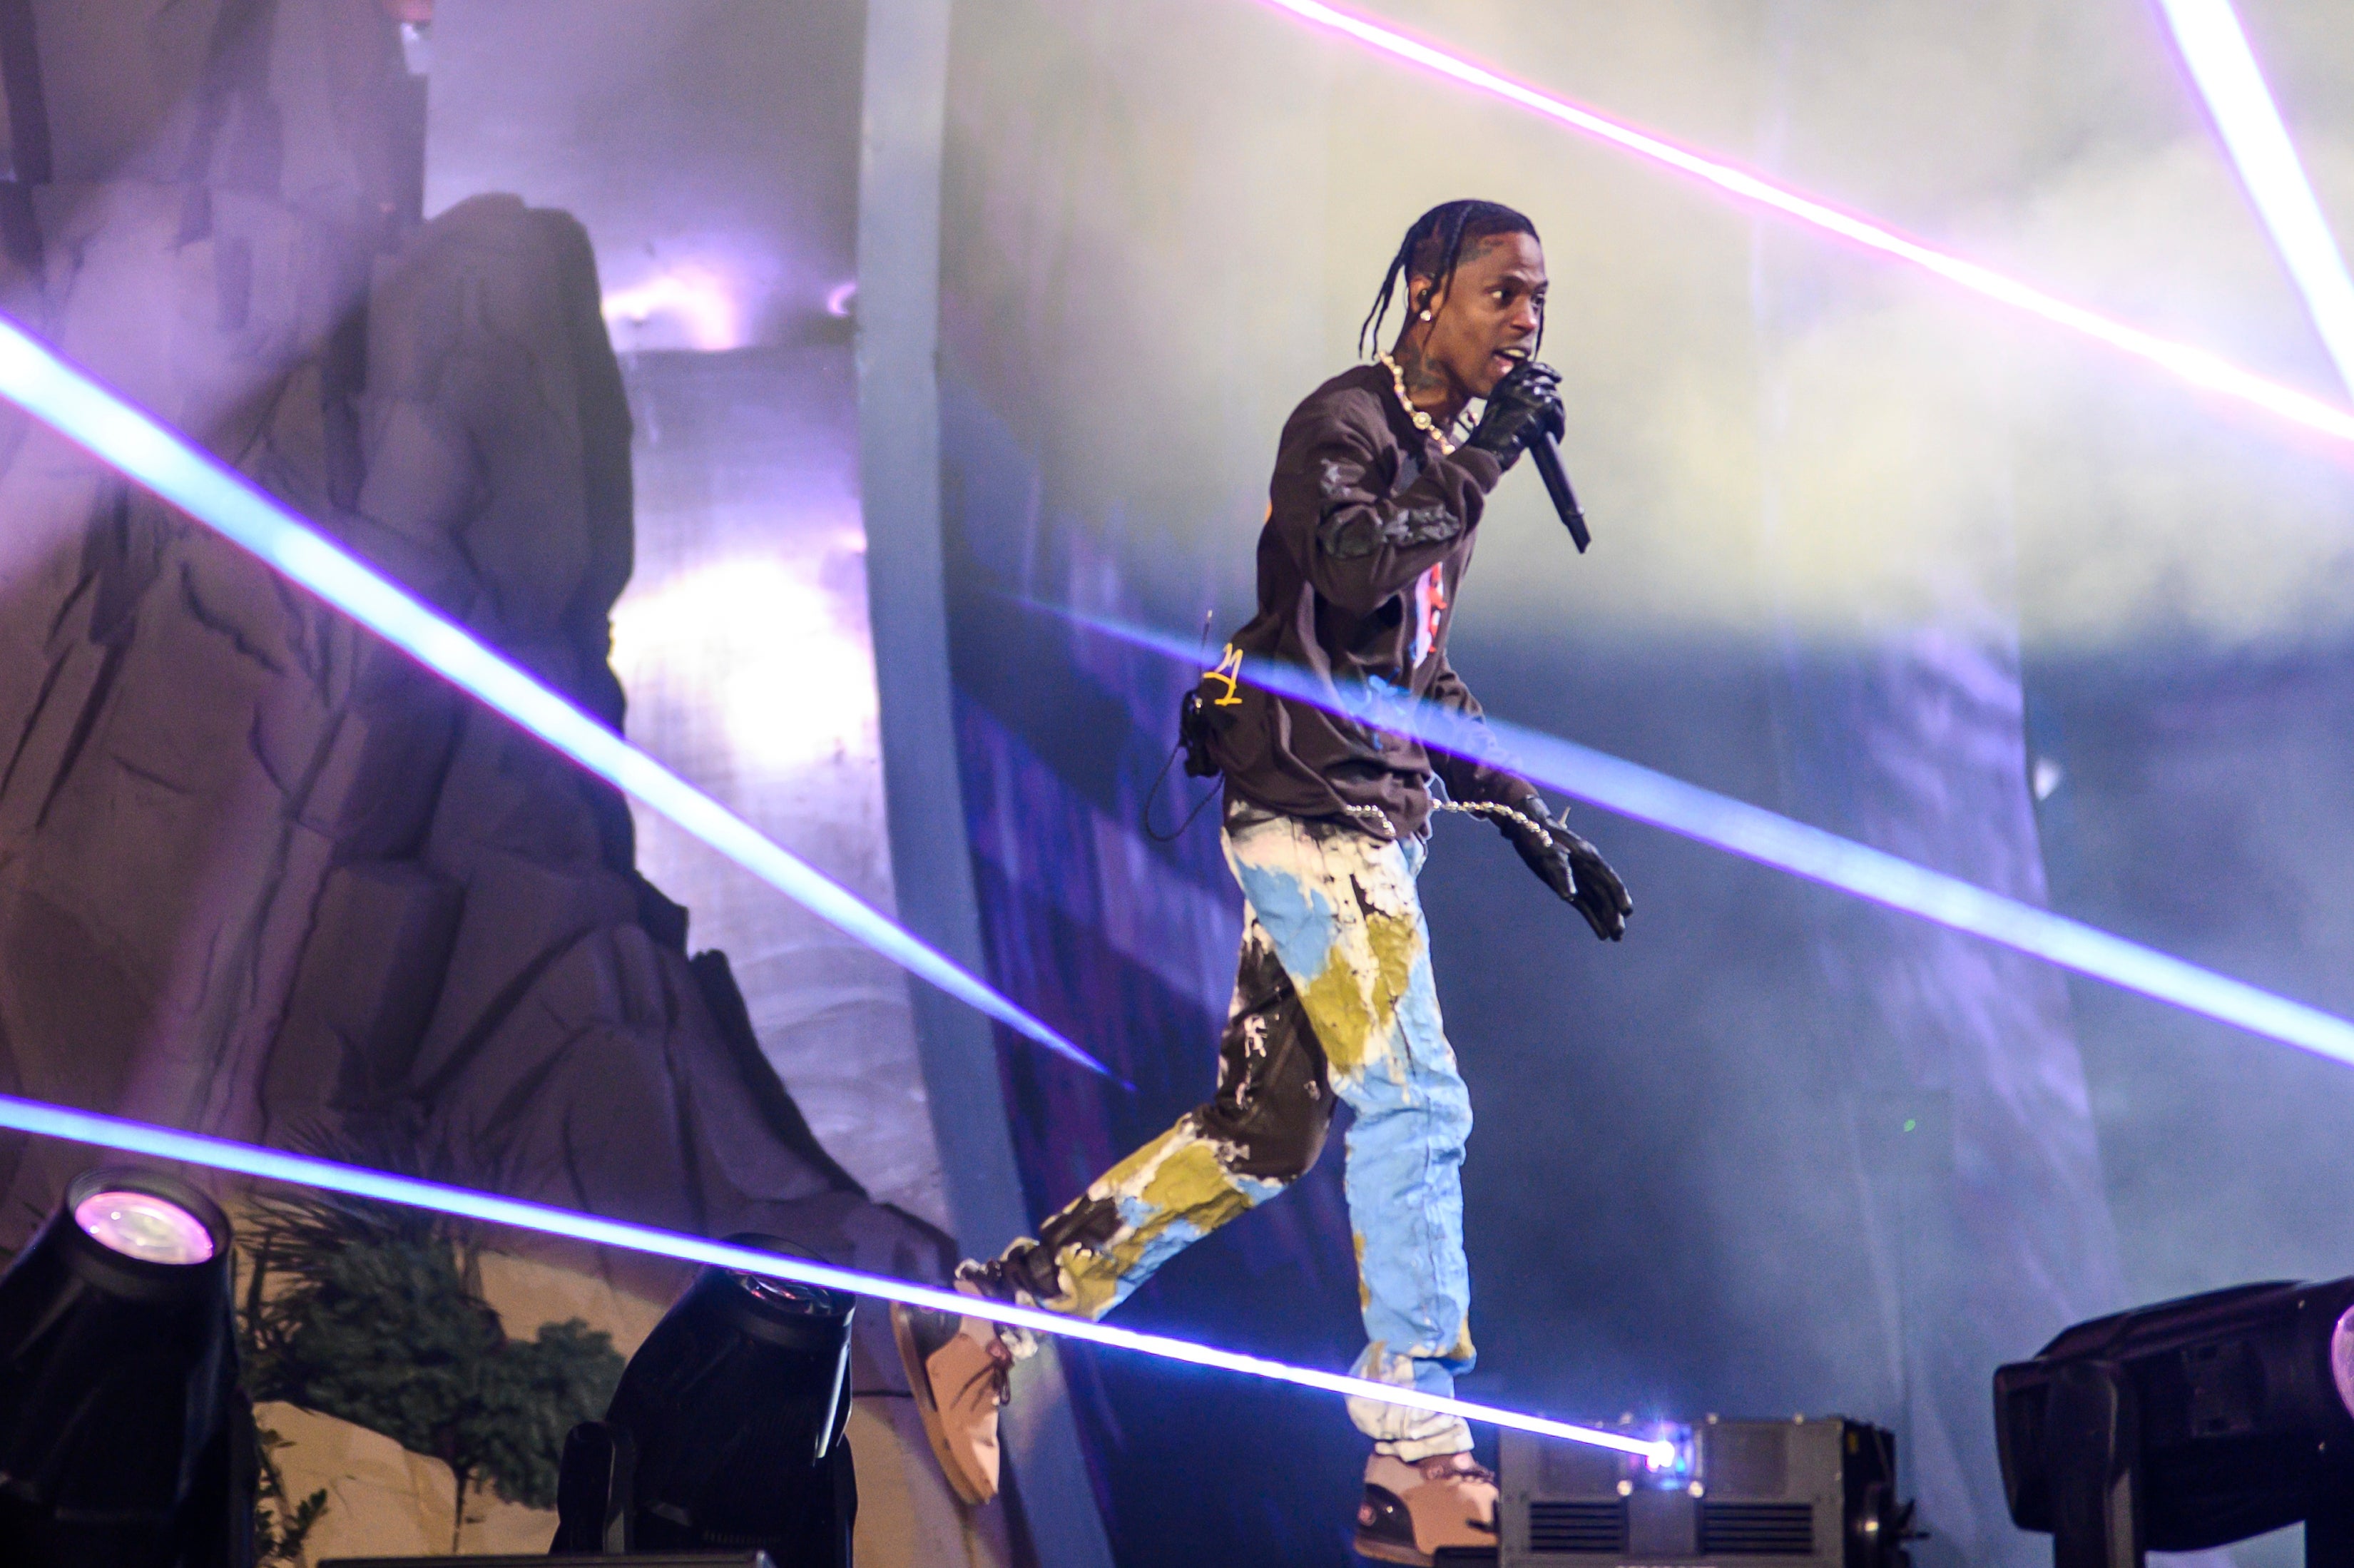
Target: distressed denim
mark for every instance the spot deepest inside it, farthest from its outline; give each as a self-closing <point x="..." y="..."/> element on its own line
<point x="1333" y="997"/>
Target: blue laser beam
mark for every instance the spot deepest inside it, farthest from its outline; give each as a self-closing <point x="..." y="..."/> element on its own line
<point x="1770" y="839"/>
<point x="2224" y="70"/>
<point x="120" y="434"/>
<point x="146" y="1139"/>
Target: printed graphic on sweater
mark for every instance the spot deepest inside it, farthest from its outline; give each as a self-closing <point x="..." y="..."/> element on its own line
<point x="1429" y="614"/>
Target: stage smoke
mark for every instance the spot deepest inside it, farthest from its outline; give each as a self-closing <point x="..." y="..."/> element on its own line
<point x="726" y="1430"/>
<point x="124" y="1439"/>
<point x="2200" y="368"/>
<point x="2187" y="1425"/>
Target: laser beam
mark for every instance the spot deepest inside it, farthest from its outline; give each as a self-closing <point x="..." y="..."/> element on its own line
<point x="146" y="1139"/>
<point x="2208" y="371"/>
<point x="1770" y="839"/>
<point x="2223" y="67"/>
<point x="122" y="435"/>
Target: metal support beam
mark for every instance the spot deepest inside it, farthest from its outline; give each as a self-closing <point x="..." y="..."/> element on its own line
<point x="899" y="467"/>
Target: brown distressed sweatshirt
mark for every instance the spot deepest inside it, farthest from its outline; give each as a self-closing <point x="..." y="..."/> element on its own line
<point x="1369" y="531"/>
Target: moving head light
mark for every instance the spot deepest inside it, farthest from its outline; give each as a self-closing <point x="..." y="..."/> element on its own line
<point x="123" y="1439"/>
<point x="726" y="1431"/>
<point x="2188" y="1424"/>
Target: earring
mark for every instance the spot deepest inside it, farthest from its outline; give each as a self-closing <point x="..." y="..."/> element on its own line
<point x="1425" y="315"/>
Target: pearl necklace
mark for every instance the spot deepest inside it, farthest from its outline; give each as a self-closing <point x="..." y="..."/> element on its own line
<point x="1422" y="421"/>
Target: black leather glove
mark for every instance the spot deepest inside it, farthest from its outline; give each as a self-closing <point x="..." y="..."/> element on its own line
<point x="1528" y="399"/>
<point x="1573" y="868"/>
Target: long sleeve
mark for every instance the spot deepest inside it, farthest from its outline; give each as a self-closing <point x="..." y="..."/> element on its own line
<point x="1487" y="776"/>
<point x="1371" y="525"/>
<point x="1357" y="544"/>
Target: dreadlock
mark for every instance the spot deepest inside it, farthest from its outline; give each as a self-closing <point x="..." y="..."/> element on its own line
<point x="1432" y="247"/>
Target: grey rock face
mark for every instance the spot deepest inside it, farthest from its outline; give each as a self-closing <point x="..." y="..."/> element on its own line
<point x="260" y="876"/>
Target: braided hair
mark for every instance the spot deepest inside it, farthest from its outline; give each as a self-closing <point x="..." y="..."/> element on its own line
<point x="1431" y="249"/>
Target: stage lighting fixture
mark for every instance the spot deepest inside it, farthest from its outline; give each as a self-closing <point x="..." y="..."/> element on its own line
<point x="2186" y="1425"/>
<point x="726" y="1431"/>
<point x="123" y="1439"/>
<point x="1803" y="1493"/>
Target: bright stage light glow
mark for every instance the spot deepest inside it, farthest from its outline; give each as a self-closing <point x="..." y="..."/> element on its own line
<point x="120" y="434"/>
<point x="766" y="649"/>
<point x="699" y="299"/>
<point x="276" y="1165"/>
<point x="2207" y="32"/>
<point x="1770" y="839"/>
<point x="144" y="1226"/>
<point x="2195" y="365"/>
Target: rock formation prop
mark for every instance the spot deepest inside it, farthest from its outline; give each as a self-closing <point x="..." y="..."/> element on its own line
<point x="261" y="875"/>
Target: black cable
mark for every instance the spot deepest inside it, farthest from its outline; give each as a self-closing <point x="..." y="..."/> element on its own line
<point x="1144" y="817"/>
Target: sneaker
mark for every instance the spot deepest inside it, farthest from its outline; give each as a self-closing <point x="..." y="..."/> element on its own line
<point x="1413" y="1511"/>
<point x="957" y="1366"/>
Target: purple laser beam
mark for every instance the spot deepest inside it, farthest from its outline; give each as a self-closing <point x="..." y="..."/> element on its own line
<point x="2223" y="68"/>
<point x="1770" y="839"/>
<point x="120" y="433"/>
<point x="2196" y="365"/>
<point x="47" y="1120"/>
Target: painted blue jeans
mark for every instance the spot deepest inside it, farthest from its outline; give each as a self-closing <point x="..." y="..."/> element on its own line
<point x="1333" y="997"/>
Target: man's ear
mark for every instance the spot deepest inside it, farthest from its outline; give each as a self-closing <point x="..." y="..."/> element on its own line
<point x="1421" y="294"/>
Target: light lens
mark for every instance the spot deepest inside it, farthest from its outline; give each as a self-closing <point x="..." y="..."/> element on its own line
<point x="1674" y="1457"/>
<point x="2341" y="1358"/>
<point x="141" y="1226"/>
<point x="807" y="1300"/>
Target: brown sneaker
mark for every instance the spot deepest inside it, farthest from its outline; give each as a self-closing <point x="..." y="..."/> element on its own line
<point x="1412" y="1510"/>
<point x="957" y="1367"/>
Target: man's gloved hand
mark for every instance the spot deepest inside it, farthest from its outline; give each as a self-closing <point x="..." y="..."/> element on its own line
<point x="1528" y="399"/>
<point x="1574" y="869"/>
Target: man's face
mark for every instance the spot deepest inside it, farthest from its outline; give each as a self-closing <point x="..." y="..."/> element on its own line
<point x="1487" y="320"/>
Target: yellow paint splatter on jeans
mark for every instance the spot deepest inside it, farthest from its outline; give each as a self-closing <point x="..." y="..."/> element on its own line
<point x="1339" y="909"/>
<point x="1344" y="1020"/>
<point x="1463" y="1349"/>
<point x="1176" y="1180"/>
<point x="1396" y="942"/>
<point x="1353" y="1002"/>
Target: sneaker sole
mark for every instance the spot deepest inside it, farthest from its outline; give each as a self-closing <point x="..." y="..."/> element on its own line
<point x="1390" y="1551"/>
<point x="969" y="1489"/>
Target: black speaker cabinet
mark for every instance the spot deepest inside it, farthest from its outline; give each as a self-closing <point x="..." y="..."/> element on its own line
<point x="1804" y="1493"/>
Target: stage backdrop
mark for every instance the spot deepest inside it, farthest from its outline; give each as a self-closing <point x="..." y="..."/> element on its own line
<point x="1866" y="552"/>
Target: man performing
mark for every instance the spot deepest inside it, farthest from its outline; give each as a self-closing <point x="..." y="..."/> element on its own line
<point x="1373" y="511"/>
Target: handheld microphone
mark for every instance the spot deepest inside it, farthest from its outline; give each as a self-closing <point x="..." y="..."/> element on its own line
<point x="1556" y="483"/>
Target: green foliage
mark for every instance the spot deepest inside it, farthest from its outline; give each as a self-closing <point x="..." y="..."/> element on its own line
<point x="546" y="1386"/>
<point x="279" y="1531"/>
<point x="379" y="1322"/>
